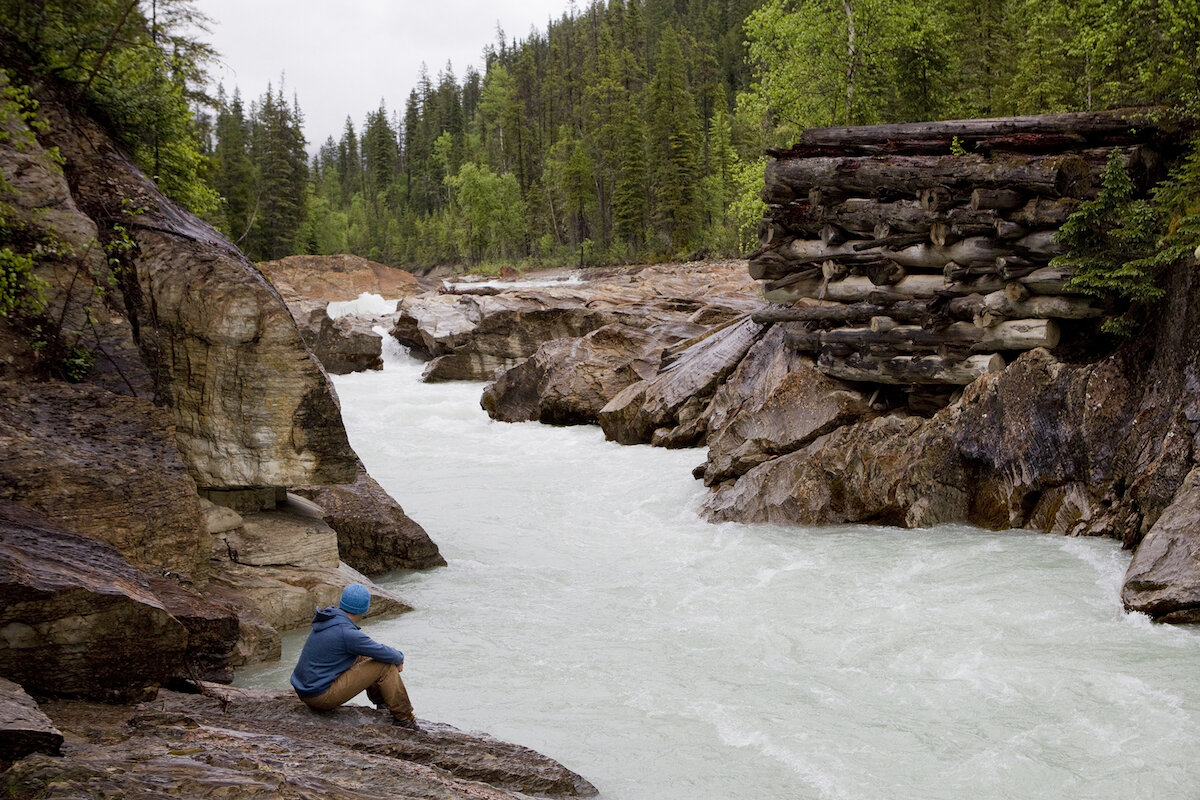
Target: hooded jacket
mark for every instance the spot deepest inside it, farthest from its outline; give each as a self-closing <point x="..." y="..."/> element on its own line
<point x="332" y="648"/>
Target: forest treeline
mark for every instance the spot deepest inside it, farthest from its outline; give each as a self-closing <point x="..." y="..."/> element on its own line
<point x="628" y="130"/>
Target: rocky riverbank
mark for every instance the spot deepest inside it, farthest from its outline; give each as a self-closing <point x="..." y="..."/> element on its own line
<point x="176" y="489"/>
<point x="245" y="743"/>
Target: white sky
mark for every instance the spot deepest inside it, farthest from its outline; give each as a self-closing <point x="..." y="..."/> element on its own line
<point x="341" y="57"/>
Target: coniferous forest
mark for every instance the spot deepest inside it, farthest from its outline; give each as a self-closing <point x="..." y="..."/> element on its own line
<point x="630" y="130"/>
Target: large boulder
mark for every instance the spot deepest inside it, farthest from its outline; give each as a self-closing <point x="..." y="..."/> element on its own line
<point x="250" y="405"/>
<point x="102" y="465"/>
<point x="284" y="563"/>
<point x="889" y="471"/>
<point x="774" y="403"/>
<point x="77" y="619"/>
<point x="669" y="407"/>
<point x="266" y="744"/>
<point x="568" y="381"/>
<point x="374" y="535"/>
<point x="24" y="729"/>
<point x="508" y="334"/>
<point x="1163" y="579"/>
<point x="343" y="345"/>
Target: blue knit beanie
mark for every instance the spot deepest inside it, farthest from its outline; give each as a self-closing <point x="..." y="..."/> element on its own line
<point x="356" y="599"/>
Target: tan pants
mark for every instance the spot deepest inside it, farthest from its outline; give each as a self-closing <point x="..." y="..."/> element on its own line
<point x="382" y="682"/>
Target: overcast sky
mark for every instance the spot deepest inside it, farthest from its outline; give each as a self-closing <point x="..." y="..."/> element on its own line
<point x="342" y="57"/>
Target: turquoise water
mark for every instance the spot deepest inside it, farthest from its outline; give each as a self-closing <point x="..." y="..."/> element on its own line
<point x="588" y="613"/>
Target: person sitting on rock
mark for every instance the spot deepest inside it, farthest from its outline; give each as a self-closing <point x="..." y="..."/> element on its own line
<point x="339" y="661"/>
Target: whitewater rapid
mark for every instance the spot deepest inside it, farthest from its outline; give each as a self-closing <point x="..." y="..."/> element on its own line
<point x="588" y="613"/>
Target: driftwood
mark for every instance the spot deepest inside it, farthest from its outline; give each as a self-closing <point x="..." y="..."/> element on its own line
<point x="908" y="369"/>
<point x="1048" y="280"/>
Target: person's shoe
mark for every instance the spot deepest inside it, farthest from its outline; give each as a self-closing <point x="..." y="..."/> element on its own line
<point x="408" y="724"/>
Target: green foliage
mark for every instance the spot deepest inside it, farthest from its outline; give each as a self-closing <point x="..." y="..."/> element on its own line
<point x="491" y="213"/>
<point x="1109" y="242"/>
<point x="135" y="71"/>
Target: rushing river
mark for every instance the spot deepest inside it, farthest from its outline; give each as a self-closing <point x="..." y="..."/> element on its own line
<point x="588" y="613"/>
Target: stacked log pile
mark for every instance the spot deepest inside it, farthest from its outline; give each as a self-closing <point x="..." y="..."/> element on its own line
<point x="919" y="254"/>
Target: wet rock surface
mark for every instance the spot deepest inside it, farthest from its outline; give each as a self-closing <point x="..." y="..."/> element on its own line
<point x="76" y="618"/>
<point x="103" y="465"/>
<point x="374" y="535"/>
<point x="1163" y="579"/>
<point x="343" y="345"/>
<point x="257" y="743"/>
<point x="472" y="336"/>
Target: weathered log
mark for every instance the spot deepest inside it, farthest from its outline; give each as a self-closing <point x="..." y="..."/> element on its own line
<point x="999" y="306"/>
<point x="1048" y="280"/>
<point x="1097" y="128"/>
<point x="906" y="369"/>
<point x="789" y="178"/>
<point x="944" y="234"/>
<point x="858" y="289"/>
<point x="861" y="215"/>
<point x="939" y="198"/>
<point x="1013" y="267"/>
<point x="1039" y="245"/>
<point x="882" y="230"/>
<point x="890" y="242"/>
<point x="1008" y="230"/>
<point x="832" y="235"/>
<point x="1045" y="212"/>
<point x="905" y="311"/>
<point x="1001" y="199"/>
<point x="833" y="271"/>
<point x="1025" y="334"/>
<point x="800" y="254"/>
<point x="884" y="273"/>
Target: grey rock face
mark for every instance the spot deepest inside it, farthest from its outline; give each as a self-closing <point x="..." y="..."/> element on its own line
<point x="1163" y="579"/>
<point x="343" y="345"/>
<point x="673" y="398"/>
<point x="264" y="744"/>
<point x="24" y="729"/>
<point x="775" y="402"/>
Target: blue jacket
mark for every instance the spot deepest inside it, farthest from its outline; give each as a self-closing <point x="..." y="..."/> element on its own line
<point x="332" y="648"/>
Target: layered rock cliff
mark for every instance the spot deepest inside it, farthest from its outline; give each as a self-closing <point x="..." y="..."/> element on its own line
<point x="163" y="467"/>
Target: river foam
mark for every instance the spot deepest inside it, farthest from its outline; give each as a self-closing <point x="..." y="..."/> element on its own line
<point x="587" y="612"/>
